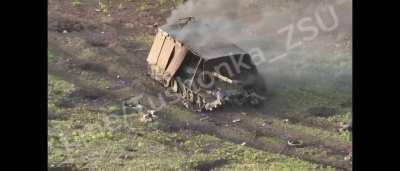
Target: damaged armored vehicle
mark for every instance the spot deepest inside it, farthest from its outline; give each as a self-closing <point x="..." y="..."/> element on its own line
<point x="207" y="74"/>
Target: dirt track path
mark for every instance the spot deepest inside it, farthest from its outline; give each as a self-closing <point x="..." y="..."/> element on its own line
<point x="254" y="128"/>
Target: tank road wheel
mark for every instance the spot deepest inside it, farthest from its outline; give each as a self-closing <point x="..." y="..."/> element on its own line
<point x="199" y="103"/>
<point x="184" y="97"/>
<point x="192" y="100"/>
<point x="174" y="86"/>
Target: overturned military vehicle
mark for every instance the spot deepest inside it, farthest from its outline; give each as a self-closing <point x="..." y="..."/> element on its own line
<point x="206" y="73"/>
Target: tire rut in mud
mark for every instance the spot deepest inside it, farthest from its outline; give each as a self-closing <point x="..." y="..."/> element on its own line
<point x="216" y="129"/>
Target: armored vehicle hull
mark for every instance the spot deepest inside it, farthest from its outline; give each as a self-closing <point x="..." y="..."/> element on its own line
<point x="206" y="76"/>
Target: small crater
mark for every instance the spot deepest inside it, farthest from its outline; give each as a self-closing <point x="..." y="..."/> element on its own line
<point x="93" y="67"/>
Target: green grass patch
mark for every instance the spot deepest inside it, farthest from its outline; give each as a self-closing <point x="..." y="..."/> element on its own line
<point x="51" y="56"/>
<point x="274" y="141"/>
<point x="143" y="7"/>
<point x="343" y="118"/>
<point x="102" y="7"/>
<point x="315" y="132"/>
<point x="101" y="84"/>
<point x="86" y="53"/>
<point x="145" y="39"/>
<point x="347" y="136"/>
<point x="124" y="143"/>
<point x="239" y="157"/>
<point x="182" y="115"/>
<point x="76" y="3"/>
<point x="58" y="90"/>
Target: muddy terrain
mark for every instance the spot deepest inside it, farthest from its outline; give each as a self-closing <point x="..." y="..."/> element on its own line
<point x="97" y="62"/>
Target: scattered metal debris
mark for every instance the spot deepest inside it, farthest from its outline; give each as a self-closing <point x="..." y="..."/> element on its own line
<point x="204" y="118"/>
<point x="349" y="156"/>
<point x="295" y="143"/>
<point x="138" y="107"/>
<point x="345" y="127"/>
<point x="133" y="103"/>
<point x="265" y="123"/>
<point x="286" y="121"/>
<point x="236" y="120"/>
<point x="149" y="116"/>
<point x="126" y="156"/>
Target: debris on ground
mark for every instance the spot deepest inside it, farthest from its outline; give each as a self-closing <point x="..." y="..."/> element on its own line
<point x="286" y="121"/>
<point x="204" y="118"/>
<point x="129" y="25"/>
<point x="116" y="117"/>
<point x="265" y="123"/>
<point x="134" y="103"/>
<point x="236" y="120"/>
<point x="149" y="116"/>
<point x="138" y="107"/>
<point x="127" y="156"/>
<point x="295" y="143"/>
<point x="345" y="127"/>
<point x="349" y="156"/>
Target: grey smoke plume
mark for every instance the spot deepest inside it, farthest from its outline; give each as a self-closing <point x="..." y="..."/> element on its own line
<point x="270" y="28"/>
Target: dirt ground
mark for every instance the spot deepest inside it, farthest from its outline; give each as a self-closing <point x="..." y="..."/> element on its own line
<point x="97" y="60"/>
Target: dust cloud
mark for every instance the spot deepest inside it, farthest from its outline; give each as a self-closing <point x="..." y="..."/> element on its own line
<point x="303" y="43"/>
